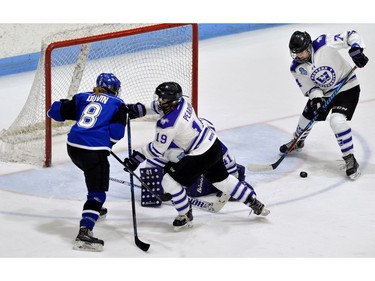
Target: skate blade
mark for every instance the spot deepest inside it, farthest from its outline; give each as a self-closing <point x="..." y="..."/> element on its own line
<point x="265" y="212"/>
<point x="102" y="217"/>
<point x="85" y="246"/>
<point x="355" y="176"/>
<point x="185" y="226"/>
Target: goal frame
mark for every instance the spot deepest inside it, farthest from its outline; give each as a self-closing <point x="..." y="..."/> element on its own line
<point x="95" y="38"/>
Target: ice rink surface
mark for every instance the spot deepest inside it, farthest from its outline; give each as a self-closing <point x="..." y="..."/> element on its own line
<point x="320" y="222"/>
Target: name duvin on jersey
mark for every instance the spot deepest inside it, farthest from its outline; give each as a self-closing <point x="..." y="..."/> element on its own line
<point x="101" y="99"/>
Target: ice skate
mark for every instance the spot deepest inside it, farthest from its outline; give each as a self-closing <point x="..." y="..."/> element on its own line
<point x="257" y="206"/>
<point x="103" y="213"/>
<point x="86" y="242"/>
<point x="297" y="147"/>
<point x="184" y="221"/>
<point x="352" y="165"/>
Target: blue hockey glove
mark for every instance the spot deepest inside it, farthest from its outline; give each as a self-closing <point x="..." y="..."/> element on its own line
<point x="136" y="110"/>
<point x="134" y="161"/>
<point x="358" y="56"/>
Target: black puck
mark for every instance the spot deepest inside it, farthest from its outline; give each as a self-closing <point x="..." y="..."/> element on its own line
<point x="303" y="174"/>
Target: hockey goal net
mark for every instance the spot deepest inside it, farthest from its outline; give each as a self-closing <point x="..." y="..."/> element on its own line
<point x="141" y="55"/>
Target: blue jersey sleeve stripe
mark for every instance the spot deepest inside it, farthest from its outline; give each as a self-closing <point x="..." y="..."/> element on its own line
<point x="198" y="140"/>
<point x="153" y="151"/>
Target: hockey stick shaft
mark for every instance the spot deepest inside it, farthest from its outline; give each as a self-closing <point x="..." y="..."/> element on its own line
<point x="142" y="245"/>
<point x="212" y="207"/>
<point x="254" y="167"/>
<point x="124" y="182"/>
<point x="324" y="106"/>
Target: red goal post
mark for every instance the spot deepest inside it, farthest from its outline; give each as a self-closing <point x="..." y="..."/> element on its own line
<point x="141" y="55"/>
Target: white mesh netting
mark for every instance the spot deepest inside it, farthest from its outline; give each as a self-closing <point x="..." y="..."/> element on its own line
<point x="140" y="60"/>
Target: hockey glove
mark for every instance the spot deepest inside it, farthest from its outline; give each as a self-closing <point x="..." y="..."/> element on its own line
<point x="317" y="103"/>
<point x="133" y="161"/>
<point x="317" y="107"/>
<point x="136" y="110"/>
<point x="358" y="56"/>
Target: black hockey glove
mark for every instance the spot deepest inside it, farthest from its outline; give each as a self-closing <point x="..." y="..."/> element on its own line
<point x="133" y="161"/>
<point x="316" y="103"/>
<point x="358" y="56"/>
<point x="317" y="106"/>
<point x="168" y="166"/>
<point x="136" y="110"/>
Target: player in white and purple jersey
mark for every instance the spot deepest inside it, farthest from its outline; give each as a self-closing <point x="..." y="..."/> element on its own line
<point x="318" y="68"/>
<point x="203" y="155"/>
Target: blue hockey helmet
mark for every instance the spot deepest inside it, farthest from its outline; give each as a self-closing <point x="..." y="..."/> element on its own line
<point x="169" y="95"/>
<point x="109" y="82"/>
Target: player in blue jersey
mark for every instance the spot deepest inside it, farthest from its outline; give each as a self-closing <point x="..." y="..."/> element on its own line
<point x="203" y="155"/>
<point x="100" y="117"/>
<point x="318" y="69"/>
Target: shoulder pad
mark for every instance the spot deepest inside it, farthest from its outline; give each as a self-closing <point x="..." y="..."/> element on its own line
<point x="294" y="66"/>
<point x="319" y="42"/>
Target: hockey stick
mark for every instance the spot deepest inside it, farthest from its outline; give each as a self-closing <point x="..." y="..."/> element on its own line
<point x="123" y="182"/>
<point x="212" y="207"/>
<point x="164" y="197"/>
<point x="270" y="167"/>
<point x="142" y="245"/>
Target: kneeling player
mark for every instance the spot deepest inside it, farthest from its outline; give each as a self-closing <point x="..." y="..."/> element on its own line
<point x="198" y="152"/>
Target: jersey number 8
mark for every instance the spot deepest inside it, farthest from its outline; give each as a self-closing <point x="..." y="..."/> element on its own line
<point x="89" y="115"/>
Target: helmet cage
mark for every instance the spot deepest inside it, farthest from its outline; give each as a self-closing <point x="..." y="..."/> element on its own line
<point x="167" y="96"/>
<point x="299" y="59"/>
<point x="164" y="104"/>
<point x="300" y="42"/>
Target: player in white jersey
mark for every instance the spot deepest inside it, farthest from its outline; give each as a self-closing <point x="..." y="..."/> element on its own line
<point x="318" y="69"/>
<point x="175" y="153"/>
<point x="203" y="155"/>
<point x="201" y="187"/>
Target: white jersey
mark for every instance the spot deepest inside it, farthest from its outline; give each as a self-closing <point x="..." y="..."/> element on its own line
<point x="175" y="153"/>
<point x="228" y="158"/>
<point x="327" y="68"/>
<point x="183" y="129"/>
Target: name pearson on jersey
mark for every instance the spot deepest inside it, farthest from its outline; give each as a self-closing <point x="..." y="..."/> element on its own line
<point x="188" y="112"/>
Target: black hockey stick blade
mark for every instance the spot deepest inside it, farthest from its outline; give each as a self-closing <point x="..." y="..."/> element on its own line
<point x="266" y="167"/>
<point x="141" y="245"/>
<point x="260" y="167"/>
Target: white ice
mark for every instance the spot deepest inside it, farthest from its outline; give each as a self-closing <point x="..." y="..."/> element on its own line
<point x="247" y="91"/>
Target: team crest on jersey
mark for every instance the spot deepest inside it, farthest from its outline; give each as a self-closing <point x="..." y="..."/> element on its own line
<point x="324" y="76"/>
<point x="164" y="121"/>
<point x="303" y="71"/>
